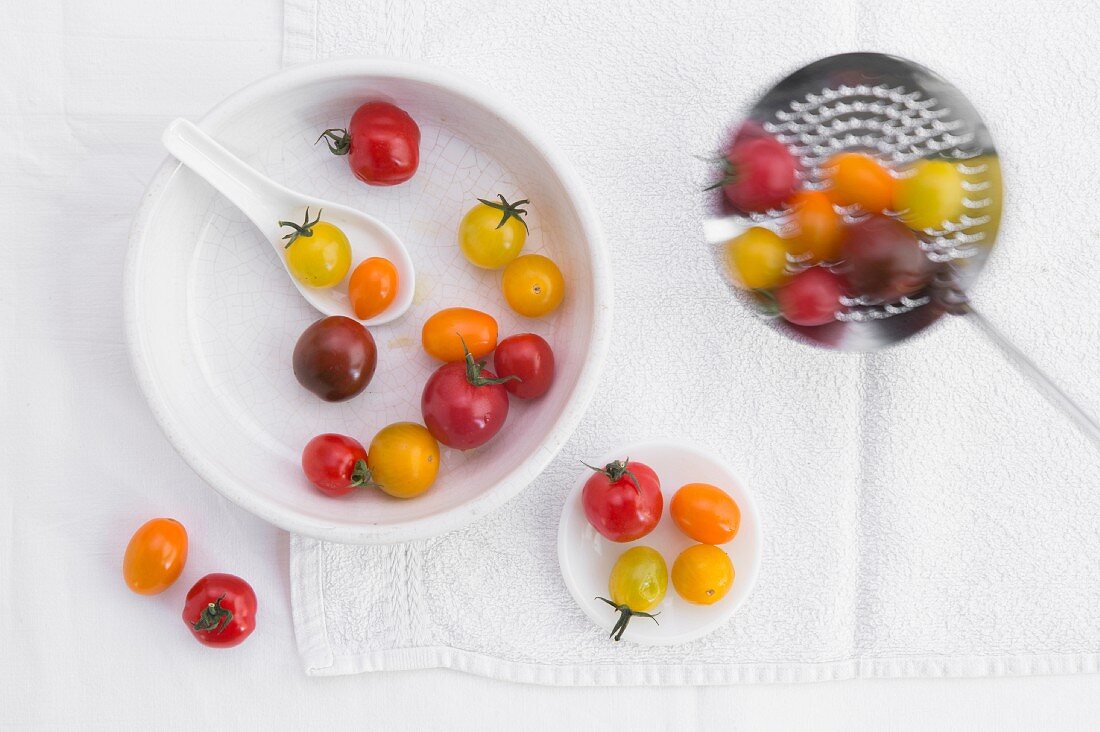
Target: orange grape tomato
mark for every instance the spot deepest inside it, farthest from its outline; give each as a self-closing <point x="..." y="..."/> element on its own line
<point x="702" y="574"/>
<point x="155" y="556"/>
<point x="444" y="333"/>
<point x="818" y="228"/>
<point x="372" y="287"/>
<point x="706" y="513"/>
<point x="859" y="179"/>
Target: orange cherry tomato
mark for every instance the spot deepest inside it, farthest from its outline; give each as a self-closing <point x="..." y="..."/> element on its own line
<point x="372" y="287"/>
<point x="444" y="332"/>
<point x="706" y="513"/>
<point x="855" y="178"/>
<point x="155" y="556"/>
<point x="818" y="227"/>
<point x="702" y="574"/>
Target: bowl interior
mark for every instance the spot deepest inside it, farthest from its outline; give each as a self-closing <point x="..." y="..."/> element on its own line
<point x="214" y="317"/>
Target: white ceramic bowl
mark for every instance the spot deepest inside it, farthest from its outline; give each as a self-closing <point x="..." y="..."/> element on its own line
<point x="212" y="317"/>
<point x="586" y="558"/>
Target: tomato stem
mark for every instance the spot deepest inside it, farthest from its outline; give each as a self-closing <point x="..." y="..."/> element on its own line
<point x="337" y="139"/>
<point x="361" y="476"/>
<point x="616" y="471"/>
<point x="729" y="175"/>
<point x="474" y="369"/>
<point x="212" y="615"/>
<point x="625" y="614"/>
<point x="305" y="229"/>
<point x="508" y="210"/>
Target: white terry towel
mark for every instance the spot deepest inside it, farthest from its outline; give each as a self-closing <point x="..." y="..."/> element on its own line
<point x="926" y="512"/>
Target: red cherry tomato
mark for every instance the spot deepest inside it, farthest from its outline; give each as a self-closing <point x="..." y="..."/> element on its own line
<point x="464" y="404"/>
<point x="759" y="172"/>
<point x="382" y="143"/>
<point x="220" y="610"/>
<point x="527" y="357"/>
<point x="336" y="464"/>
<point x="623" y="500"/>
<point x="811" y="297"/>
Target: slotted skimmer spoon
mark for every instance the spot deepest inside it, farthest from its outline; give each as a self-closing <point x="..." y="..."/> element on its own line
<point x="900" y="112"/>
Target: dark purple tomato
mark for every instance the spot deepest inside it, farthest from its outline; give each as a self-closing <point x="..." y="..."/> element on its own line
<point x="335" y="358"/>
<point x="884" y="259"/>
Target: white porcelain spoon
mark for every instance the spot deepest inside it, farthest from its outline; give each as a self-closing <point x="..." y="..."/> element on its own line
<point x="267" y="203"/>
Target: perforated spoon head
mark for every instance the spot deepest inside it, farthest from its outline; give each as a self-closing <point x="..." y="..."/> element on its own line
<point x="900" y="112"/>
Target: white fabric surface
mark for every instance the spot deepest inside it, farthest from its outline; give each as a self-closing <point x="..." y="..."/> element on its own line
<point x="925" y="512"/>
<point x="86" y="91"/>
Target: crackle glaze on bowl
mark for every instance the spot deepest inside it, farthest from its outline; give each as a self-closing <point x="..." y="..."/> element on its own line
<point x="212" y="317"/>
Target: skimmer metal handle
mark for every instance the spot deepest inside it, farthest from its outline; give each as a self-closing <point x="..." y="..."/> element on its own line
<point x="1042" y="382"/>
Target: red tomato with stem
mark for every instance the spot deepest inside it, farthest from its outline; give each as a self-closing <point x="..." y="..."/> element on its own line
<point x="758" y="173"/>
<point x="382" y="143"/>
<point x="336" y="464"/>
<point x="530" y="360"/>
<point x="811" y="297"/>
<point x="464" y="404"/>
<point x="623" y="500"/>
<point x="220" y="610"/>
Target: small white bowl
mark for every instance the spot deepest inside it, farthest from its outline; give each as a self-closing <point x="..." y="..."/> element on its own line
<point x="212" y="318"/>
<point x="586" y="557"/>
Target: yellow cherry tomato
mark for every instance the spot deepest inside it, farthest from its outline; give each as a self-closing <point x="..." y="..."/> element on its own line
<point x="638" y="583"/>
<point x="758" y="258"/>
<point x="533" y="285"/>
<point x="317" y="253"/>
<point x="403" y="459"/>
<point x="372" y="287"/>
<point x="818" y="227"/>
<point x="931" y="195"/>
<point x="443" y="334"/>
<point x="493" y="233"/>
<point x="702" y="574"/>
<point x="155" y="556"/>
<point x="858" y="179"/>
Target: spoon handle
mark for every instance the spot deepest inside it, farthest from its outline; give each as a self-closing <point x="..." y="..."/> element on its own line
<point x="1027" y="367"/>
<point x="261" y="199"/>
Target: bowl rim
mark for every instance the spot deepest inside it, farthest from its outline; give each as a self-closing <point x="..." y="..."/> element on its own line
<point x="519" y="477"/>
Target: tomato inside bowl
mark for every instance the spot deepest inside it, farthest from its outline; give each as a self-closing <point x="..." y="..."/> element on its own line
<point x="212" y="317"/>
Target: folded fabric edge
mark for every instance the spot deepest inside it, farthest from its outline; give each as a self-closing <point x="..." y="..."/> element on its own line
<point x="299" y="31"/>
<point x="408" y="659"/>
<point x="307" y="603"/>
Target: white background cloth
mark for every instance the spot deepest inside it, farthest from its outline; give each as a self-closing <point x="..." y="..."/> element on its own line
<point x="915" y="502"/>
<point x="85" y="92"/>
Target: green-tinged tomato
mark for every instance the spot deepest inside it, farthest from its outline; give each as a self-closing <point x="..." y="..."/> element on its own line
<point x="932" y="195"/>
<point x="317" y="253"/>
<point x="492" y="234"/>
<point x="637" y="585"/>
<point x="758" y="259"/>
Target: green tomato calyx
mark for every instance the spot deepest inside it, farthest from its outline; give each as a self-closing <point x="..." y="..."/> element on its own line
<point x="474" y="369"/>
<point x="304" y="229"/>
<point x="337" y="139"/>
<point x="615" y="471"/>
<point x="361" y="476"/>
<point x="625" y="614"/>
<point x="212" y="615"/>
<point x="729" y="175"/>
<point x="508" y="210"/>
